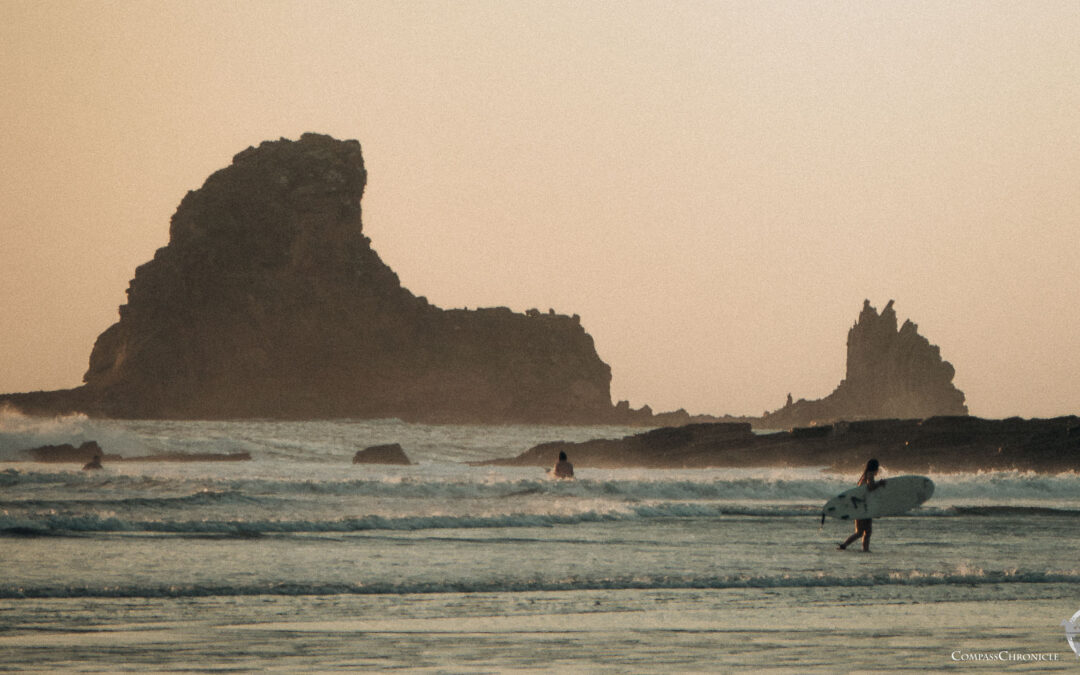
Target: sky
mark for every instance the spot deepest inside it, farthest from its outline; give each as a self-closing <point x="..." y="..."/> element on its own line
<point x="715" y="187"/>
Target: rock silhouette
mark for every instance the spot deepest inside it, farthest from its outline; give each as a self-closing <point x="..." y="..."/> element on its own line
<point x="391" y="453"/>
<point x="269" y="301"/>
<point x="933" y="444"/>
<point x="65" y="452"/>
<point x="88" y="450"/>
<point x="891" y="373"/>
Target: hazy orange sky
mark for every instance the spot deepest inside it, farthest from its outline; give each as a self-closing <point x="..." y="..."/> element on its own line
<point x="714" y="187"/>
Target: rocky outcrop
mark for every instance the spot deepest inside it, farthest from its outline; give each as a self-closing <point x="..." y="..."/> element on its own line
<point x="66" y="452"/>
<point x="391" y="453"/>
<point x="90" y="449"/>
<point x="891" y="373"/>
<point x="936" y="444"/>
<point x="270" y="302"/>
<point x="666" y="447"/>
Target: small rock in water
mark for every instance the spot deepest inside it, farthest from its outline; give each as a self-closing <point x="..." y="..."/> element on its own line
<point x="381" y="454"/>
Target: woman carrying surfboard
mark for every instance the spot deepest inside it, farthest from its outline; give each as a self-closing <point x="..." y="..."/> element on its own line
<point x="864" y="526"/>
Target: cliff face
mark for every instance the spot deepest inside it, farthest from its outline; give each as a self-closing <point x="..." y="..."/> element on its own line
<point x="270" y="302"/>
<point x="891" y="373"/>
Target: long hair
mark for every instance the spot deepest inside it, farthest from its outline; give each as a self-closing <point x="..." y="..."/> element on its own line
<point x="871" y="467"/>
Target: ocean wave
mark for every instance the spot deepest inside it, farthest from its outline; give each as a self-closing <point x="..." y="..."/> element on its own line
<point x="477" y="486"/>
<point x="1010" y="510"/>
<point x="611" y="489"/>
<point x="960" y="577"/>
<point x="60" y="516"/>
<point x="468" y="483"/>
<point x="19" y="432"/>
<point x="321" y="441"/>
<point x="1002" y="485"/>
<point x="52" y="524"/>
<point x="204" y="498"/>
<point x="506" y="499"/>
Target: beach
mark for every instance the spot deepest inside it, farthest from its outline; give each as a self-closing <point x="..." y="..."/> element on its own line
<point x="299" y="561"/>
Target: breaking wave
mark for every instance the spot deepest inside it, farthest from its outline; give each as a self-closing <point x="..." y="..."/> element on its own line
<point x="608" y="484"/>
<point x="54" y="524"/>
<point x="960" y="577"/>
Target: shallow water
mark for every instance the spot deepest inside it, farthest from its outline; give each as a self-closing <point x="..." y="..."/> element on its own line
<point x="301" y="561"/>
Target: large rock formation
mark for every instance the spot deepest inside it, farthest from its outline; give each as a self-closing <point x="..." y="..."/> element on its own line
<point x="891" y="373"/>
<point x="270" y="302"/>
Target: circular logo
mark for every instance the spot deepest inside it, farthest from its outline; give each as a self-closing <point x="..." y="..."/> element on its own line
<point x="1072" y="633"/>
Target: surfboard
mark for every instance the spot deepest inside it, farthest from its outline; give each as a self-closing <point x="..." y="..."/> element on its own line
<point x="898" y="495"/>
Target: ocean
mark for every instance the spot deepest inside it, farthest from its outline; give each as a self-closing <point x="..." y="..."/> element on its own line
<point x="300" y="561"/>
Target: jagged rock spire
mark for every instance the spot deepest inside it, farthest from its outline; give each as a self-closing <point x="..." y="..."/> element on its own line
<point x="891" y="373"/>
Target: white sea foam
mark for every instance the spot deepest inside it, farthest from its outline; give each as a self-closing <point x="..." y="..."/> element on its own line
<point x="20" y="432"/>
<point x="511" y="585"/>
<point x="1061" y="492"/>
<point x="55" y="517"/>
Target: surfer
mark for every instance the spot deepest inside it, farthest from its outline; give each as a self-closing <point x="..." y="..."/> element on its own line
<point x="864" y="526"/>
<point x="95" y="463"/>
<point x="562" y="468"/>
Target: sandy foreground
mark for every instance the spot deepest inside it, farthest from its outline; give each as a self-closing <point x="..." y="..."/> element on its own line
<point x="796" y="630"/>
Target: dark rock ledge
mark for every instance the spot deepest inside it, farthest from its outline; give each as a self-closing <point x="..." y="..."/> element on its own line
<point x="391" y="453"/>
<point x="67" y="453"/>
<point x="935" y="444"/>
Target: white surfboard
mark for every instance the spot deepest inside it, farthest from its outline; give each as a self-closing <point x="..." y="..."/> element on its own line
<point x="898" y="495"/>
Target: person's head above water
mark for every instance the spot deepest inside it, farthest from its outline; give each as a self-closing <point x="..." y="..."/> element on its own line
<point x="872" y="465"/>
<point x="562" y="456"/>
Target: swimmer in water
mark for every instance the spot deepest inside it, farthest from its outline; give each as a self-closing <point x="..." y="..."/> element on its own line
<point x="562" y="468"/>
